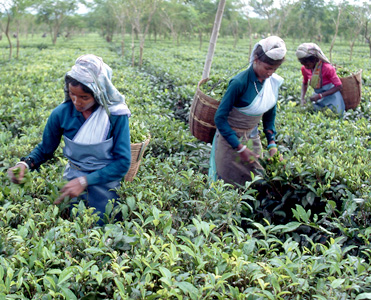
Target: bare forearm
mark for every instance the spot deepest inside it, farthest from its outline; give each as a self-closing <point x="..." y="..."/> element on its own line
<point x="332" y="91"/>
<point x="304" y="89"/>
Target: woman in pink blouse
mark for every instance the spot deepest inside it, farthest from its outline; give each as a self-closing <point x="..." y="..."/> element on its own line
<point x="321" y="76"/>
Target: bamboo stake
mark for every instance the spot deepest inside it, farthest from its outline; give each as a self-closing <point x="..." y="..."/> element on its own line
<point x="213" y="39"/>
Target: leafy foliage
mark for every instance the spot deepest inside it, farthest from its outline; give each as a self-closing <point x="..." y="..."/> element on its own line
<point x="300" y="230"/>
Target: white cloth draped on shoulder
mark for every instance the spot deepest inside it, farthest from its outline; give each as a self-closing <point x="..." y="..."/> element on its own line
<point x="266" y="99"/>
<point x="95" y="128"/>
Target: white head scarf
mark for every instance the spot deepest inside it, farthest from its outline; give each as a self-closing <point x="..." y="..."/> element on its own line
<point x="274" y="47"/>
<point x="91" y="71"/>
<point x="310" y="49"/>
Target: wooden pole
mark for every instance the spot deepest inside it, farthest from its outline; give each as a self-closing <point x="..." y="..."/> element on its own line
<point x="213" y="39"/>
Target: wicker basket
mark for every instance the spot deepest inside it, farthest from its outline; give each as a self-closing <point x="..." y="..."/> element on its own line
<point x="352" y="86"/>
<point x="137" y="151"/>
<point x="201" y="116"/>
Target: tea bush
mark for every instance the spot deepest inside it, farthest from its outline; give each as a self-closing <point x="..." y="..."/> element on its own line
<point x="300" y="230"/>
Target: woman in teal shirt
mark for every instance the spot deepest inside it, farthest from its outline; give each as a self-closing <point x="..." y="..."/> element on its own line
<point x="94" y="123"/>
<point x="251" y="96"/>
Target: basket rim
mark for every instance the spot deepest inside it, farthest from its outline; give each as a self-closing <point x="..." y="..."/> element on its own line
<point x="145" y="141"/>
<point x="353" y="74"/>
<point x="201" y="82"/>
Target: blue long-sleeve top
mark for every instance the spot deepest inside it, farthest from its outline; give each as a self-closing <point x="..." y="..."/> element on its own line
<point x="66" y="120"/>
<point x="240" y="93"/>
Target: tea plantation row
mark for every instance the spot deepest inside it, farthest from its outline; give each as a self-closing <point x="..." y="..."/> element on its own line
<point x="181" y="236"/>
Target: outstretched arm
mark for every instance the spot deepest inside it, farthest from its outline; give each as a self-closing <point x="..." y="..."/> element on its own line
<point x="331" y="91"/>
<point x="304" y="88"/>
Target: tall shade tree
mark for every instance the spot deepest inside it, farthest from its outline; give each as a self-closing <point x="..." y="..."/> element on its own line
<point x="265" y="9"/>
<point x="74" y="25"/>
<point x="352" y="25"/>
<point x="250" y="28"/>
<point x="28" y="24"/>
<point x="5" y="28"/>
<point x="157" y="27"/>
<point x="120" y="11"/>
<point x="286" y="6"/>
<point x="367" y="23"/>
<point x="336" y="23"/>
<point x="103" y="17"/>
<point x="53" y="13"/>
<point x="233" y="13"/>
<point x="293" y="25"/>
<point x="311" y="13"/>
<point x="18" y="9"/>
<point x="174" y="14"/>
<point x="141" y="12"/>
<point x="202" y="16"/>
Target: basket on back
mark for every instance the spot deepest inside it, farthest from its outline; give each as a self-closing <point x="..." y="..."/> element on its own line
<point x="201" y="116"/>
<point x="352" y="86"/>
<point x="137" y="151"/>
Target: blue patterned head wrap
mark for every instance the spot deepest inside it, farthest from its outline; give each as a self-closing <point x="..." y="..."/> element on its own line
<point x="91" y="71"/>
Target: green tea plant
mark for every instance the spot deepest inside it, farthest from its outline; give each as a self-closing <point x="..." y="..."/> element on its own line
<point x="138" y="132"/>
<point x="215" y="87"/>
<point x="300" y="230"/>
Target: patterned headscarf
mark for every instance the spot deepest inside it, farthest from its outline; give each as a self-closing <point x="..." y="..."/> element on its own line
<point x="274" y="47"/>
<point x="91" y="71"/>
<point x="311" y="49"/>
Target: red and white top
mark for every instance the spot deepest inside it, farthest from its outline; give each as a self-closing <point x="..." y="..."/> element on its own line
<point x="328" y="75"/>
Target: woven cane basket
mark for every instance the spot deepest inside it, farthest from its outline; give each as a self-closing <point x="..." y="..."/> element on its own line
<point x="137" y="151"/>
<point x="201" y="117"/>
<point x="352" y="87"/>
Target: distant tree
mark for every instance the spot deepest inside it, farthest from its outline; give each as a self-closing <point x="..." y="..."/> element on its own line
<point x="172" y="14"/>
<point x="28" y="24"/>
<point x="102" y="16"/>
<point x="250" y="28"/>
<point x="352" y="25"/>
<point x="121" y="13"/>
<point x="336" y="23"/>
<point x="141" y="12"/>
<point x="312" y="15"/>
<point x="233" y="17"/>
<point x="74" y="24"/>
<point x="53" y="13"/>
<point x="367" y="23"/>
<point x="18" y="9"/>
<point x="156" y="27"/>
<point x="286" y="6"/>
<point x="202" y="14"/>
<point x="5" y="28"/>
<point x="293" y="25"/>
<point x="265" y="9"/>
<point x="184" y="24"/>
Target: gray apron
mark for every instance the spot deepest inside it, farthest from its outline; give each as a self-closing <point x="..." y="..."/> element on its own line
<point x="335" y="101"/>
<point x="229" y="166"/>
<point x="85" y="159"/>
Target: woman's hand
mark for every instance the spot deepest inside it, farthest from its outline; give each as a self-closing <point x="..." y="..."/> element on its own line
<point x="316" y="97"/>
<point x="15" y="176"/>
<point x="273" y="151"/>
<point x="247" y="155"/>
<point x="72" y="189"/>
